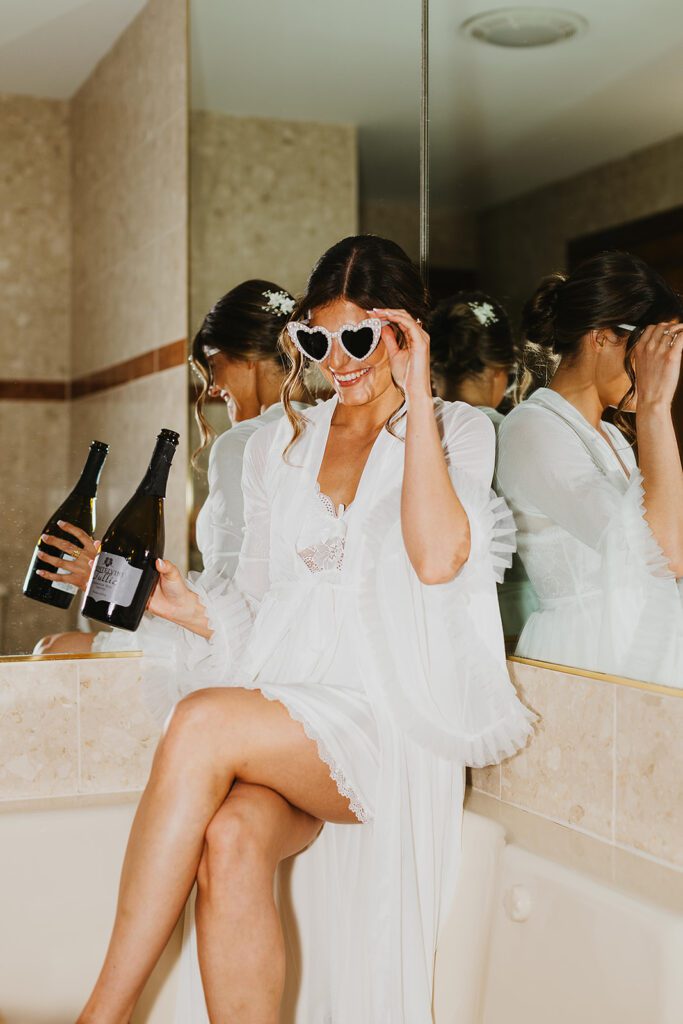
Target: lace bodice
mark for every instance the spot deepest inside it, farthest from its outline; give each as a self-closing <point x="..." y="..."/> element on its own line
<point x="325" y="532"/>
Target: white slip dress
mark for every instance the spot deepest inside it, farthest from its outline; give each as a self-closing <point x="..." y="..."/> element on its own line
<point x="401" y="685"/>
<point x="607" y="600"/>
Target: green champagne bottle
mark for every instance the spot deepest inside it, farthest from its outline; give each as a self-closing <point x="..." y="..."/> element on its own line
<point x="124" y="573"/>
<point x="79" y="510"/>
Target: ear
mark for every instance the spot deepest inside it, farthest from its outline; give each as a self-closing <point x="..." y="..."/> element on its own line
<point x="598" y="338"/>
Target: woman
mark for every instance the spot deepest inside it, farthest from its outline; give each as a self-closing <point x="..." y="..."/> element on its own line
<point x="362" y="642"/>
<point x="474" y="354"/>
<point x="475" y="359"/>
<point x="601" y="537"/>
<point x="235" y="353"/>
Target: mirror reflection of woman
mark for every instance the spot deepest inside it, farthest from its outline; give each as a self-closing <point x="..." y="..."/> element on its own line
<point x="348" y="672"/>
<point x="601" y="537"/>
<point x="475" y="359"/>
<point x="235" y="353"/>
<point x="474" y="353"/>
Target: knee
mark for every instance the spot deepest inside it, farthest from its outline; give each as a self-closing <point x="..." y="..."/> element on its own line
<point x="190" y="717"/>
<point x="235" y="851"/>
<point x="64" y="643"/>
<point x="46" y="644"/>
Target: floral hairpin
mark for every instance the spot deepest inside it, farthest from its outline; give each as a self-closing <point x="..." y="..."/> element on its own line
<point x="278" y="302"/>
<point x="484" y="312"/>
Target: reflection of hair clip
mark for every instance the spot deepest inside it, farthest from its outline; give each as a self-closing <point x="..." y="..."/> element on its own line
<point x="209" y="351"/>
<point x="280" y="303"/>
<point x="484" y="312"/>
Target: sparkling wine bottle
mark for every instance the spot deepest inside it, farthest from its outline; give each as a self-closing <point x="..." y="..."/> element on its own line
<point x="124" y="574"/>
<point x="79" y="510"/>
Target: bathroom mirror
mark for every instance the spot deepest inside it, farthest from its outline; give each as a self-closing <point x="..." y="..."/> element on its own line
<point x="93" y="269"/>
<point x="555" y="135"/>
<point x="305" y="128"/>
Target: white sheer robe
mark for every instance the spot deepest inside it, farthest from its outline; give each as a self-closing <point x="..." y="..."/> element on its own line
<point x="607" y="600"/>
<point x="400" y="685"/>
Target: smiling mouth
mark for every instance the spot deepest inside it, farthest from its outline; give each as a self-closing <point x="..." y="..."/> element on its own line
<point x="346" y="379"/>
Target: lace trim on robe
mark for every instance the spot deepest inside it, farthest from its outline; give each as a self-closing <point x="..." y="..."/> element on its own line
<point x="326" y="554"/>
<point x="336" y="773"/>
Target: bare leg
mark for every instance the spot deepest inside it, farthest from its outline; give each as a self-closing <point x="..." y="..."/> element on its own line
<point x="65" y="643"/>
<point x="214" y="737"/>
<point x="239" y="935"/>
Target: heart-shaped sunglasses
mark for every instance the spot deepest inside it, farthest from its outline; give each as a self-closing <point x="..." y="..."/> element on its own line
<point x="358" y="340"/>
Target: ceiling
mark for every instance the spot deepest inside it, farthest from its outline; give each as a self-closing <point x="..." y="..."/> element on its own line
<point x="506" y="121"/>
<point x="49" y="47"/>
<point x="501" y="121"/>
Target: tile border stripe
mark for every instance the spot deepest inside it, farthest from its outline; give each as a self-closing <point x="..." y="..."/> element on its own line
<point x="158" y="359"/>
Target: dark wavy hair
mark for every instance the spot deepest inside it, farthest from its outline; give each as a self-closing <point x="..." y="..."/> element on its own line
<point x="608" y="289"/>
<point x="244" y="324"/>
<point x="366" y="270"/>
<point x="462" y="346"/>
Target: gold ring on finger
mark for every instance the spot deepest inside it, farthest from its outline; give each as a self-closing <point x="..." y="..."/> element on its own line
<point x="76" y="553"/>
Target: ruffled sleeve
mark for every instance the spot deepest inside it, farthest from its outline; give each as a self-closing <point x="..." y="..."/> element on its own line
<point x="178" y="661"/>
<point x="642" y="627"/>
<point x="223" y="515"/>
<point x="438" y="650"/>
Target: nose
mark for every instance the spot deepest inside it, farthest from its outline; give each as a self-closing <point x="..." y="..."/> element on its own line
<point x="338" y="358"/>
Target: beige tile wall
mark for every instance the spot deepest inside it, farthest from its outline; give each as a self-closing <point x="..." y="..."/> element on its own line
<point x="34" y="238"/>
<point x="452" y="234"/>
<point x="129" y="193"/>
<point x="267" y="198"/>
<point x="93" y="271"/>
<point x="130" y="252"/>
<point x="73" y="727"/>
<point x="129" y="417"/>
<point x="33" y="460"/>
<point x="606" y="760"/>
<point x="34" y="343"/>
<point x="525" y="238"/>
<point x="395" y="219"/>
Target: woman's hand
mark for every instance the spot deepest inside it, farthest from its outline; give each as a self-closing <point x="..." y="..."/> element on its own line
<point x="657" y="364"/>
<point x="172" y="599"/>
<point x="409" y="365"/>
<point x="77" y="564"/>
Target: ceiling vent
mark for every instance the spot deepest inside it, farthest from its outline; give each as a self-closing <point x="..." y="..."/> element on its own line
<point x="518" y="27"/>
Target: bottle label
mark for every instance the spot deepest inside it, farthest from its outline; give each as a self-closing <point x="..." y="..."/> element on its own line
<point x="68" y="588"/>
<point x="113" y="580"/>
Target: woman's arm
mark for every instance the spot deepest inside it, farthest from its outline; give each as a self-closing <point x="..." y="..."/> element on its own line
<point x="657" y="357"/>
<point x="436" y="530"/>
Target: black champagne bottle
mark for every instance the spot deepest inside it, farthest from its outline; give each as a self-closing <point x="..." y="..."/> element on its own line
<point x="79" y="510"/>
<point x="124" y="574"/>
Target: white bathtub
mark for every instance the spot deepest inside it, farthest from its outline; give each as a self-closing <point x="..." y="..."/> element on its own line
<point x="59" y="869"/>
<point x="548" y="927"/>
<point x="552" y="926"/>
